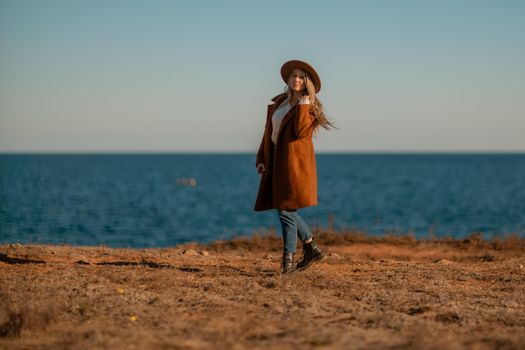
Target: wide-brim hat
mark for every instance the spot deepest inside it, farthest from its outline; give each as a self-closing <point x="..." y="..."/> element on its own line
<point x="289" y="66"/>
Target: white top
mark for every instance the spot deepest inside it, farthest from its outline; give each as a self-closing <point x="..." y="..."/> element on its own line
<point x="279" y="114"/>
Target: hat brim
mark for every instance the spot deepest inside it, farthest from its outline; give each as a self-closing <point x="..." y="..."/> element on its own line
<point x="289" y="66"/>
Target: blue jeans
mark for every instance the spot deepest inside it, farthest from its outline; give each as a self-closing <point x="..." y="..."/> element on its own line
<point x="293" y="225"/>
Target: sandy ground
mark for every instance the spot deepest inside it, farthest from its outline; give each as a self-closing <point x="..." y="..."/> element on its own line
<point x="368" y="293"/>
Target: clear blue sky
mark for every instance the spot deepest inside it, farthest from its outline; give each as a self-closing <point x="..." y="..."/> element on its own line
<point x="197" y="75"/>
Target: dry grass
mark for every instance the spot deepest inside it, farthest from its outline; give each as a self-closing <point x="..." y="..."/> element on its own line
<point x="268" y="240"/>
<point x="390" y="292"/>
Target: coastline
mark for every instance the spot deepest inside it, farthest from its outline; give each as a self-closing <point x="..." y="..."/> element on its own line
<point x="369" y="292"/>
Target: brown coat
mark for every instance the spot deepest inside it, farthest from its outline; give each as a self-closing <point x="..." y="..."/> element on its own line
<point x="290" y="179"/>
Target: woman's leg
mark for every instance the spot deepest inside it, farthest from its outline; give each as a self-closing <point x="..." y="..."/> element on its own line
<point x="292" y="226"/>
<point x="289" y="229"/>
<point x="311" y="251"/>
<point x="303" y="231"/>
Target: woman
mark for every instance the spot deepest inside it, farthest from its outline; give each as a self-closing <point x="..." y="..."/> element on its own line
<point x="286" y="159"/>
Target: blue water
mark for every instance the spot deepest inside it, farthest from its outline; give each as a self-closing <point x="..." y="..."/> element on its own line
<point x="126" y="200"/>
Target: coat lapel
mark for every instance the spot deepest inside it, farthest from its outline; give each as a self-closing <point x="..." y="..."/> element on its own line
<point x="287" y="117"/>
<point x="278" y="100"/>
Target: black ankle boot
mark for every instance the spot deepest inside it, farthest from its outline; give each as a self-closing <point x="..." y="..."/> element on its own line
<point x="311" y="253"/>
<point x="287" y="264"/>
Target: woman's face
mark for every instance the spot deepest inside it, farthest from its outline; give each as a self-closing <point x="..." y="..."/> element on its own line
<point x="297" y="80"/>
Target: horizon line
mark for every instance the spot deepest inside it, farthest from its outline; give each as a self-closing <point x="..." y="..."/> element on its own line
<point x="79" y="152"/>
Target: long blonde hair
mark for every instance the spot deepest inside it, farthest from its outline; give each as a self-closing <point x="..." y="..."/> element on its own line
<point x="321" y="119"/>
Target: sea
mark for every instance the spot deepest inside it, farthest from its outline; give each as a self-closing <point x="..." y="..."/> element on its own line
<point x="161" y="200"/>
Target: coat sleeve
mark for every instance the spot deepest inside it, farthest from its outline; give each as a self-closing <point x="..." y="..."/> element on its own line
<point x="260" y="153"/>
<point x="304" y="121"/>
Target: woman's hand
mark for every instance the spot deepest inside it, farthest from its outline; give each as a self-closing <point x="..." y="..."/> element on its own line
<point x="304" y="100"/>
<point x="261" y="168"/>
